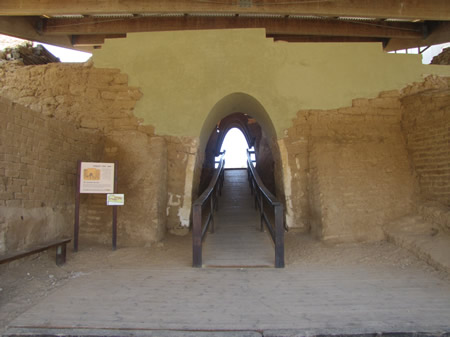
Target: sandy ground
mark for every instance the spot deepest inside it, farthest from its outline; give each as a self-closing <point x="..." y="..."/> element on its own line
<point x="26" y="282"/>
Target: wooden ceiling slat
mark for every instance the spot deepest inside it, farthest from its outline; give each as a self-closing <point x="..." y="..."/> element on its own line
<point x="402" y="9"/>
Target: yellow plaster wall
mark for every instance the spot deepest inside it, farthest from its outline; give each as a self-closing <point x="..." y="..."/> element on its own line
<point x="182" y="75"/>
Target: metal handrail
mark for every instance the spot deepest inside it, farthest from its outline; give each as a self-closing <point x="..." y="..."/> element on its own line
<point x="261" y="192"/>
<point x="199" y="228"/>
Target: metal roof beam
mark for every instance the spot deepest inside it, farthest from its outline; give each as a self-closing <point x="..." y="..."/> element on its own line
<point x="439" y="32"/>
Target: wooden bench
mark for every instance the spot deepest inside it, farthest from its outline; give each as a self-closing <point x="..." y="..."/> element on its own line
<point x="60" y="251"/>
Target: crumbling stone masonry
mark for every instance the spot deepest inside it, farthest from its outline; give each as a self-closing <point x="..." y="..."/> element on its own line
<point x="348" y="166"/>
<point x="426" y="124"/>
<point x="79" y="93"/>
<point x="38" y="157"/>
<point x="354" y="168"/>
<point x="345" y="172"/>
<point x="99" y="102"/>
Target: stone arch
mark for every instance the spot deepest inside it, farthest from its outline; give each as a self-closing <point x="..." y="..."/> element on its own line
<point x="241" y="103"/>
<point x="232" y="103"/>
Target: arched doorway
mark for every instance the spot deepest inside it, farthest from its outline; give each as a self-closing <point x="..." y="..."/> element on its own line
<point x="238" y="218"/>
<point x="246" y="113"/>
<point x="256" y="140"/>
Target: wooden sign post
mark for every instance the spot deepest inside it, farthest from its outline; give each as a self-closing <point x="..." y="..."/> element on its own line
<point x="95" y="178"/>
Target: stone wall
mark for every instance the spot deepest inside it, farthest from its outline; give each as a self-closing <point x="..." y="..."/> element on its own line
<point x="426" y="123"/>
<point x="435" y="213"/>
<point x="142" y="176"/>
<point x="349" y="169"/>
<point x="101" y="100"/>
<point x="38" y="161"/>
<point x="443" y="58"/>
<point x="79" y="93"/>
<point x="183" y="75"/>
<point x="181" y="176"/>
<point x="343" y="172"/>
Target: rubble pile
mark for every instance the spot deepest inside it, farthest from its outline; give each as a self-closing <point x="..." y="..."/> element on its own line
<point x="443" y="58"/>
<point x="28" y="55"/>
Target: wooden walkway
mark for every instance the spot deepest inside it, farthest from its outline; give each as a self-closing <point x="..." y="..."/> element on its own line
<point x="136" y="294"/>
<point x="237" y="241"/>
<point x="305" y="301"/>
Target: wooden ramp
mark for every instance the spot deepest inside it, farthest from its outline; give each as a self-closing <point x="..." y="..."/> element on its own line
<point x="237" y="240"/>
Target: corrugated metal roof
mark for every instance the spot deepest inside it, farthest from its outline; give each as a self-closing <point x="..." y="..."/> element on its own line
<point x="214" y="14"/>
<point x="356" y="18"/>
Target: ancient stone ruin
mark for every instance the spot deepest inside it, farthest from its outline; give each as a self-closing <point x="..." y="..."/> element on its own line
<point x="337" y="165"/>
<point x="116" y="167"/>
<point x="28" y="55"/>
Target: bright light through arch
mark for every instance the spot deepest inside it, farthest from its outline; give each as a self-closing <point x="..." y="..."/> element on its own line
<point x="236" y="147"/>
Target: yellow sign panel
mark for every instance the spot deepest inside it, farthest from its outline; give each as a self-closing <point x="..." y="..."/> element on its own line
<point x="91" y="174"/>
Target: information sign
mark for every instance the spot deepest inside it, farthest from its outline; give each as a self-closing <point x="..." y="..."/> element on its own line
<point x="97" y="177"/>
<point x="115" y="199"/>
<point x="100" y="178"/>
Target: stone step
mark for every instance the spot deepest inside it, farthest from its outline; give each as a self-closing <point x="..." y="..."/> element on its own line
<point x="410" y="223"/>
<point x="424" y="239"/>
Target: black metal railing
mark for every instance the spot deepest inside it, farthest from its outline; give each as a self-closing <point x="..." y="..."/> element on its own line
<point x="263" y="197"/>
<point x="200" y="227"/>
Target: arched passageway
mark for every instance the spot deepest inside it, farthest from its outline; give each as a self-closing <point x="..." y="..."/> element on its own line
<point x="257" y="140"/>
<point x="246" y="113"/>
<point x="238" y="238"/>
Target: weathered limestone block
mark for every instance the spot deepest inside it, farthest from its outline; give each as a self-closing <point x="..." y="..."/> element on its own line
<point x="436" y="213"/>
<point x="294" y="173"/>
<point x="21" y="227"/>
<point x="37" y="175"/>
<point x="142" y="168"/>
<point x="425" y="124"/>
<point x="348" y="170"/>
<point x="182" y="158"/>
<point x="360" y="187"/>
<point x="77" y="93"/>
<point x="431" y="82"/>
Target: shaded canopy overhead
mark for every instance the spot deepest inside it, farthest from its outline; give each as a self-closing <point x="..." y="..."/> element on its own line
<point x="85" y="24"/>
